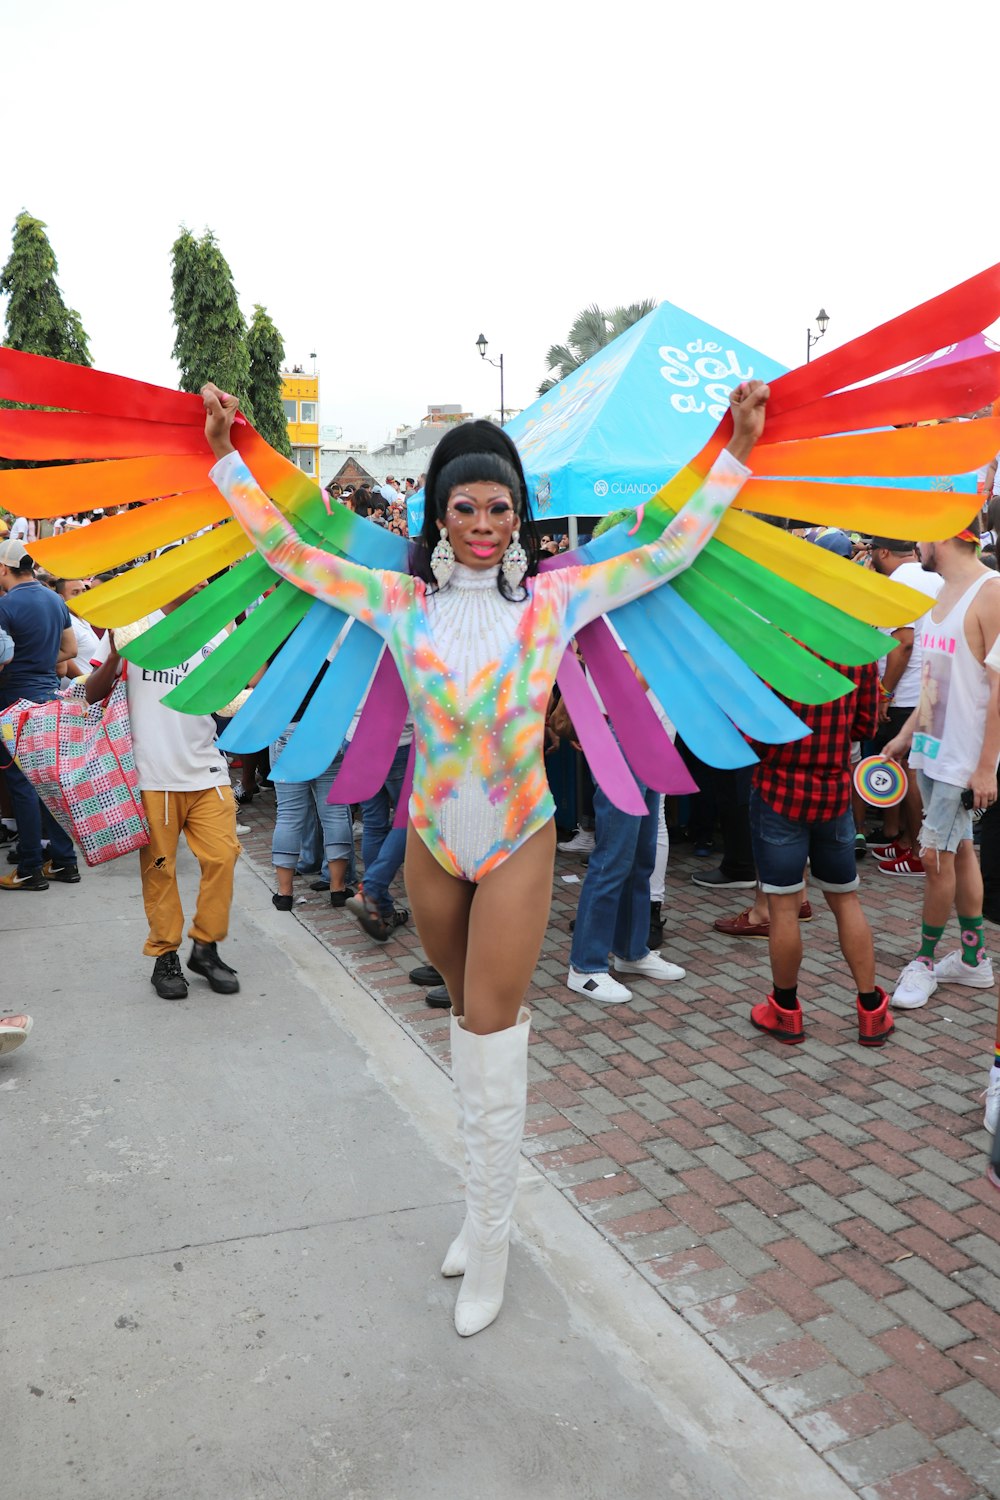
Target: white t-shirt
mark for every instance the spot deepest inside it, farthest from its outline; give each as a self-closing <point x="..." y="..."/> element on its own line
<point x="88" y="643"/>
<point x="20" y="530"/>
<point x="174" y="752"/>
<point x="907" y="690"/>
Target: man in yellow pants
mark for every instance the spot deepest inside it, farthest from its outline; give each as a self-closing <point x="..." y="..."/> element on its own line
<point x="184" y="782"/>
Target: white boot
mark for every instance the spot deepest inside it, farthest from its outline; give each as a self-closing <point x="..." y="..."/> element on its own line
<point x="455" y="1255"/>
<point x="491" y="1073"/>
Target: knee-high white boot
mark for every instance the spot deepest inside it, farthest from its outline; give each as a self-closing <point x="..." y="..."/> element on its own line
<point x="455" y="1255"/>
<point x="491" y="1073"/>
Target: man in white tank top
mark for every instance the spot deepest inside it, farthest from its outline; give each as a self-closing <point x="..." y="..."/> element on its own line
<point x="954" y="732"/>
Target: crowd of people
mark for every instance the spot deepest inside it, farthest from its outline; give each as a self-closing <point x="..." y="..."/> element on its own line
<point x="932" y="704"/>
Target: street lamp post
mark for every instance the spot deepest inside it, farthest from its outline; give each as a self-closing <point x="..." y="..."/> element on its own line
<point x="482" y="346"/>
<point x="822" y="320"/>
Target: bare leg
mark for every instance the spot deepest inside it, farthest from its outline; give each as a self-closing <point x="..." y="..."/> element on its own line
<point x="939" y="886"/>
<point x="507" y="924"/>
<point x="440" y="903"/>
<point x="284" y="880"/>
<point x="968" y="881"/>
<point x="784" y="941"/>
<point x="338" y="874"/>
<point x="912" y="812"/>
<point x="855" y="938"/>
<point x="759" y="912"/>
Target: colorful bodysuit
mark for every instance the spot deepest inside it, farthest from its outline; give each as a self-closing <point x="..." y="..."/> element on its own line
<point x="478" y="669"/>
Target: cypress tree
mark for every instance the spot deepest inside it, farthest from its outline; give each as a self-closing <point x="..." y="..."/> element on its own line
<point x="267" y="355"/>
<point x="211" y="342"/>
<point x="37" y="319"/>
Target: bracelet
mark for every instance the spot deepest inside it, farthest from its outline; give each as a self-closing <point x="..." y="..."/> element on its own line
<point x="884" y="691"/>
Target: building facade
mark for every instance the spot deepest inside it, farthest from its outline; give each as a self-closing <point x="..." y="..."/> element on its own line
<point x="300" y="400"/>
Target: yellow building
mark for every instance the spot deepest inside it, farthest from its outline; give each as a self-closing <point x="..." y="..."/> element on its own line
<point x="300" y="399"/>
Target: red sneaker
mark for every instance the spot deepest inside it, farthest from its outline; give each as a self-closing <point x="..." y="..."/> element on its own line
<point x="892" y="849"/>
<point x="909" y="864"/>
<point x="874" y="1026"/>
<point x="784" y="1025"/>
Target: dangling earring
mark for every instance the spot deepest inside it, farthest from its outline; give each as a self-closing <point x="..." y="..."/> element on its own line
<point x="514" y="563"/>
<point x="443" y="560"/>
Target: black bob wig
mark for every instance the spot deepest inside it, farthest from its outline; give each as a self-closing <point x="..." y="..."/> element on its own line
<point x="471" y="452"/>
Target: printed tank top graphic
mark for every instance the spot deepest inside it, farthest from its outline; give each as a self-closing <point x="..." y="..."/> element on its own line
<point x="938" y="648"/>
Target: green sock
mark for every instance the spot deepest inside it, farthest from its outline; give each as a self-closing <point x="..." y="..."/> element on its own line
<point x="929" y="939"/>
<point x="972" y="939"/>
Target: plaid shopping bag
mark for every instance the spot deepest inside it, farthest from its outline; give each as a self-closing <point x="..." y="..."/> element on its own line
<point x="78" y="757"/>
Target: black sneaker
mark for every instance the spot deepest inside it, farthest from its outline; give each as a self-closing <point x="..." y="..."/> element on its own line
<point x="282" y="903"/>
<point x="341" y="898"/>
<point x="64" y="874"/>
<point x="204" y="960"/>
<point x="426" y="974"/>
<point x="716" y="878"/>
<point x="438" y="999"/>
<point x="33" y="880"/>
<point x="168" y="979"/>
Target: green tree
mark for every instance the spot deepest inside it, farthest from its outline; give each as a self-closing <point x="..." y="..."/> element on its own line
<point x="592" y="330"/>
<point x="37" y="319"/>
<point x="211" y="342"/>
<point x="267" y="355"/>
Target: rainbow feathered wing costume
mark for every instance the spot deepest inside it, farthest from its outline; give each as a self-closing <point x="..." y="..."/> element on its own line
<point x="712" y="643"/>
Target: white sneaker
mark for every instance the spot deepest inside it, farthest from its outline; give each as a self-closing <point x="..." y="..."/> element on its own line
<point x="650" y="966"/>
<point x="241" y="829"/>
<point x="598" y="987"/>
<point x="915" y="986"/>
<point x="992" y="1097"/>
<point x="582" y="842"/>
<point x="951" y="970"/>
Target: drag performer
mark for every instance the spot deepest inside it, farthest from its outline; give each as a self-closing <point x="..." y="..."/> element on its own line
<point x="475" y="628"/>
<point x="478" y="634"/>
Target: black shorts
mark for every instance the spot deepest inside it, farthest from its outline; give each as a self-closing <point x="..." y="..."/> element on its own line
<point x="897" y="717"/>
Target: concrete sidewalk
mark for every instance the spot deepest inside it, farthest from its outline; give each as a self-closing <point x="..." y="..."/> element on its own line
<point x="224" y="1219"/>
<point x="819" y="1215"/>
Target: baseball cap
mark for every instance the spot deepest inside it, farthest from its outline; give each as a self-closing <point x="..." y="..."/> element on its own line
<point x="891" y="544"/>
<point x="12" y="554"/>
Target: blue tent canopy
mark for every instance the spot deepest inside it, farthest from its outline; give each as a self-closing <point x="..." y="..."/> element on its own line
<point x="623" y="424"/>
<point x="617" y="429"/>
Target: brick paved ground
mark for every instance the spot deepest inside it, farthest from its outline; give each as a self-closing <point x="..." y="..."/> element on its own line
<point x="819" y="1214"/>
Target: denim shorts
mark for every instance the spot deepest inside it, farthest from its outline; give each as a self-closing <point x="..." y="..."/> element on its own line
<point x="946" y="822"/>
<point x="782" y="846"/>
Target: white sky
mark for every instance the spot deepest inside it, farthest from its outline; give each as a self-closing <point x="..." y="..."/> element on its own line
<point x="748" y="162"/>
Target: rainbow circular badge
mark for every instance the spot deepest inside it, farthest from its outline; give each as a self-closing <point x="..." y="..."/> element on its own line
<point x="880" y="782"/>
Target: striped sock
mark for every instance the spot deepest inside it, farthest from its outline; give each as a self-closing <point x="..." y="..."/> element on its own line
<point x="972" y="940"/>
<point x="929" y="939"/>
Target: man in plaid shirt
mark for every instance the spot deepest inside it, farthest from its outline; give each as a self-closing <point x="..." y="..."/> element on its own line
<point x="800" y="809"/>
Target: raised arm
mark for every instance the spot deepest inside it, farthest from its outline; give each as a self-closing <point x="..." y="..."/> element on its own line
<point x="366" y="593"/>
<point x="603" y="586"/>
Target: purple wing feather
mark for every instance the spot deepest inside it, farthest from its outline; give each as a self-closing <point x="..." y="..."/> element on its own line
<point x="646" y="744"/>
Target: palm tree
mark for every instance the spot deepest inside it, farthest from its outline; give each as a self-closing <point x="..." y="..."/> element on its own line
<point x="593" y="329"/>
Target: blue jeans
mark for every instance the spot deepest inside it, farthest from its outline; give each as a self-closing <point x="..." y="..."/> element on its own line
<point x="612" y="915"/>
<point x="376" y="812"/>
<point x="35" y="822"/>
<point x="382" y="871"/>
<point x="781" y="847"/>
<point x="382" y="846"/>
<point x="295" y="801"/>
<point x="311" y="857"/>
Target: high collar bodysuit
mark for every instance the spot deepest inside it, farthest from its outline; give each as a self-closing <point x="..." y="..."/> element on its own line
<point x="477" y="668"/>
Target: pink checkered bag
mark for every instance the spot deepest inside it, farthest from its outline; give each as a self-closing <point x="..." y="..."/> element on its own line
<point x="78" y="757"/>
